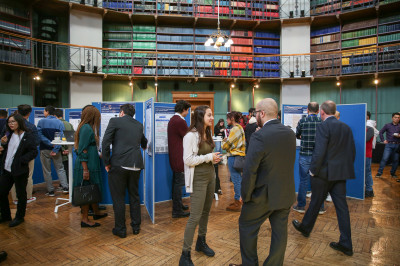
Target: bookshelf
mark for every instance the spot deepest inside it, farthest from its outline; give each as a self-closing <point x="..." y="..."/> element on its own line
<point x="389" y="32"/>
<point x="15" y="19"/>
<point x="359" y="34"/>
<point x="229" y="9"/>
<point x="234" y="61"/>
<point x="324" y="40"/>
<point x="266" y="43"/>
<point x="324" y="7"/>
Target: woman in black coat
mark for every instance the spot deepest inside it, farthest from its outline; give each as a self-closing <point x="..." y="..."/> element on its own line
<point x="19" y="149"/>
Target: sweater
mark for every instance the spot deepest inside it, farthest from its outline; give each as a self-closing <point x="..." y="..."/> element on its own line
<point x="46" y="129"/>
<point x="177" y="129"/>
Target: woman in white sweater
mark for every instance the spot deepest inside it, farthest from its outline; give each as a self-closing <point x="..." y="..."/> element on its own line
<point x="198" y="157"/>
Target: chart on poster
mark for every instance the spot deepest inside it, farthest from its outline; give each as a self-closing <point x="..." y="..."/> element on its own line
<point x="162" y="116"/>
<point x="75" y="118"/>
<point x="39" y="115"/>
<point x="291" y="115"/>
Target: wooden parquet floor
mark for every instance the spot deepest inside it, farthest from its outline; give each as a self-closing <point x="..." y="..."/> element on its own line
<point x="48" y="238"/>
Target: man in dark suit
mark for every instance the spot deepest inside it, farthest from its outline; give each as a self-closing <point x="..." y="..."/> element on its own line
<point x="331" y="165"/>
<point x="267" y="185"/>
<point x="125" y="134"/>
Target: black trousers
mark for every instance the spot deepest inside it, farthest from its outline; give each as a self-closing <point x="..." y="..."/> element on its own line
<point x="337" y="190"/>
<point x="253" y="215"/>
<point x="177" y="183"/>
<point x="217" y="181"/>
<point x="6" y="183"/>
<point x="119" y="180"/>
<point x="66" y="167"/>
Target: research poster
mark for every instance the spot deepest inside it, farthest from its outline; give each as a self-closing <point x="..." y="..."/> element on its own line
<point x="75" y="118"/>
<point x="292" y="115"/>
<point x="39" y="115"/>
<point x="162" y="117"/>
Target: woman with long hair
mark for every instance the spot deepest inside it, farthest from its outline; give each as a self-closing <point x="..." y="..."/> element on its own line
<point x="87" y="164"/>
<point x="235" y="145"/>
<point x="198" y="157"/>
<point x="19" y="149"/>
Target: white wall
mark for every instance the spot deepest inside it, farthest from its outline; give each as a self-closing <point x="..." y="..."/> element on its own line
<point x="295" y="92"/>
<point x="85" y="29"/>
<point x="85" y="90"/>
<point x="295" y="39"/>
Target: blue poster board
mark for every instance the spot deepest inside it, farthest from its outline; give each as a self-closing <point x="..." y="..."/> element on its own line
<point x="149" y="158"/>
<point x="109" y="110"/>
<point x="354" y="115"/>
<point x="163" y="173"/>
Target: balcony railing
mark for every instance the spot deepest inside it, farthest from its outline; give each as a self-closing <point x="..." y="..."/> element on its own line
<point x="26" y="51"/>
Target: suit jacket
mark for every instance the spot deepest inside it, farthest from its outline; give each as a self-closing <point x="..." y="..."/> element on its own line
<point x="126" y="136"/>
<point x="334" y="152"/>
<point x="269" y="166"/>
<point x="177" y="129"/>
<point x="27" y="151"/>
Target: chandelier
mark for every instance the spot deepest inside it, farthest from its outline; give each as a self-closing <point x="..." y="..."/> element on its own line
<point x="220" y="38"/>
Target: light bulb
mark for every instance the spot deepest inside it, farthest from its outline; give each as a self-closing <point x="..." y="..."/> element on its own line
<point x="338" y="84"/>
<point x="207" y="43"/>
<point x="130" y="84"/>
<point x="376" y="81"/>
<point x="230" y="41"/>
<point x="220" y="39"/>
<point x="227" y="45"/>
<point x="210" y="40"/>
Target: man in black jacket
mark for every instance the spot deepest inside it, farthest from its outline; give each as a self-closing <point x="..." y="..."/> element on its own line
<point x="125" y="134"/>
<point x="267" y="185"/>
<point x="331" y="165"/>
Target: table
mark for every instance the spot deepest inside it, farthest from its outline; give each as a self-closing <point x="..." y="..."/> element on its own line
<point x="70" y="171"/>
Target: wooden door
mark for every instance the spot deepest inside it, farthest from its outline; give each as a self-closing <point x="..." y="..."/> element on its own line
<point x="195" y="98"/>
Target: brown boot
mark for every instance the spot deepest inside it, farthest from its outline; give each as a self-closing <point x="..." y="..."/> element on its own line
<point x="235" y="207"/>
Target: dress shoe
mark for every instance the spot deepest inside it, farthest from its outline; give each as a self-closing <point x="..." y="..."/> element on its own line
<point x="201" y="246"/>
<point x="15" y="222"/>
<point x="235" y="206"/>
<point x="99" y="216"/>
<point x="83" y="224"/>
<point x="181" y="215"/>
<point x="297" y="226"/>
<point x="233" y="264"/>
<point x="119" y="233"/>
<point x="185" y="259"/>
<point x="3" y="256"/>
<point x="339" y="247"/>
<point x="136" y="231"/>
<point x="185" y="207"/>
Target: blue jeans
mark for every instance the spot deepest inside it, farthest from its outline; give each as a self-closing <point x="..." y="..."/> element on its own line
<point x="218" y="146"/>
<point x="304" y="167"/>
<point x="390" y="151"/>
<point x="235" y="176"/>
<point x="368" y="175"/>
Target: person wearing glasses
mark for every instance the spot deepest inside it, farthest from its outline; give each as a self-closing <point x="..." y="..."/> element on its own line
<point x="19" y="149"/>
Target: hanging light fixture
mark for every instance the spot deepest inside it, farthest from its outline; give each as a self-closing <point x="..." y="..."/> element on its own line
<point x="219" y="38"/>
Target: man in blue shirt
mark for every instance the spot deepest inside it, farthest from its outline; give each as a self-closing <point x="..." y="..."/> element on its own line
<point x="47" y="127"/>
<point x="305" y="131"/>
<point x="392" y="144"/>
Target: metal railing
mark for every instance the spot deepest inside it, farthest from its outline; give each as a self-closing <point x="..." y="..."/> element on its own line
<point x="26" y="51"/>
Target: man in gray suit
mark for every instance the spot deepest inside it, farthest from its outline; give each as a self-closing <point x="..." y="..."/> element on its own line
<point x="267" y="185"/>
<point x="125" y="134"/>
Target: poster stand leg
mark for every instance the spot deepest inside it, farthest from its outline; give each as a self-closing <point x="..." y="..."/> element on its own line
<point x="70" y="172"/>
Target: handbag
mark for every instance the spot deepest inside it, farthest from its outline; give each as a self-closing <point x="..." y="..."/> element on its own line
<point x="238" y="164"/>
<point x="86" y="194"/>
